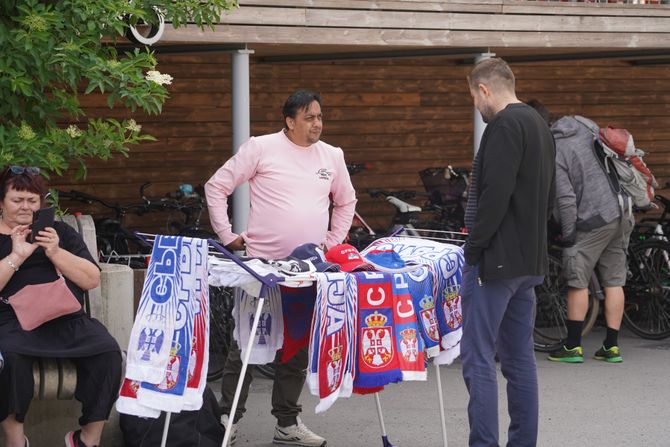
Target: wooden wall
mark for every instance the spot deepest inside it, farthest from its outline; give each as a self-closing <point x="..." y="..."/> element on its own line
<point x="401" y="115"/>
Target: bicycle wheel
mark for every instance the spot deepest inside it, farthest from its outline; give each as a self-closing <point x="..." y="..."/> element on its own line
<point x="647" y="306"/>
<point x="552" y="308"/>
<point x="221" y="326"/>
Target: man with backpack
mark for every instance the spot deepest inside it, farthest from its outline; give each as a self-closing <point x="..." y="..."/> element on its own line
<point x="595" y="215"/>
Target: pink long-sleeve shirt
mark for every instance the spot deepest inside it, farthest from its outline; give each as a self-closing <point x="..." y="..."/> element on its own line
<point x="290" y="188"/>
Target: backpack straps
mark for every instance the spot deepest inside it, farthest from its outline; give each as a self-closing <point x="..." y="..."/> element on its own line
<point x="625" y="202"/>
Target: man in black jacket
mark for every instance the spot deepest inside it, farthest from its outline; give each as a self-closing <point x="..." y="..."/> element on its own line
<point x="505" y="254"/>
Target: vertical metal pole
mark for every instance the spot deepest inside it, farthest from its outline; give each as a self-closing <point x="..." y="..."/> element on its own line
<point x="443" y="419"/>
<point x="241" y="130"/>
<point x="245" y="364"/>
<point x="479" y="124"/>
<point x="166" y="427"/>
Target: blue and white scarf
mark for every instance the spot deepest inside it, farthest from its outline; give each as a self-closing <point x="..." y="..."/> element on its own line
<point x="176" y="275"/>
<point x="151" y="338"/>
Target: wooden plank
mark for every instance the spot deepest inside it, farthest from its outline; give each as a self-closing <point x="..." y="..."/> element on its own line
<point x="495" y="6"/>
<point x="583" y="9"/>
<point x="231" y="33"/>
<point x="323" y="18"/>
<point x="488" y="6"/>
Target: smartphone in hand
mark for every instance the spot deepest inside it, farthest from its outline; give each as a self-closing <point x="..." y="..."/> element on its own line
<point x="42" y="218"/>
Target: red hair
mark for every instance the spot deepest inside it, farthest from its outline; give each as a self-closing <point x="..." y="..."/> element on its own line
<point x="25" y="181"/>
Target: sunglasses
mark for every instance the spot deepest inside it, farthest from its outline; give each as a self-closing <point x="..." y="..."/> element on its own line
<point x="30" y="170"/>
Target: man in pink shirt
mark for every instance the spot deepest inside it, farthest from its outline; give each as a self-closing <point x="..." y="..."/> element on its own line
<point x="292" y="177"/>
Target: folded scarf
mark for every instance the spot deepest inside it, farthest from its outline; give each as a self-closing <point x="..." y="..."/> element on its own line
<point x="445" y="262"/>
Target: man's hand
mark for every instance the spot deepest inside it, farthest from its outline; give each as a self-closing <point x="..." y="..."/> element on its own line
<point x="237" y="245"/>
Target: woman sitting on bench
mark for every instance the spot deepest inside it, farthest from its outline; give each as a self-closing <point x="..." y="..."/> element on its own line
<point x="27" y="260"/>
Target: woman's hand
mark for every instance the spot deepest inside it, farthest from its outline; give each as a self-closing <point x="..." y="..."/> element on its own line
<point x="48" y="239"/>
<point x="20" y="246"/>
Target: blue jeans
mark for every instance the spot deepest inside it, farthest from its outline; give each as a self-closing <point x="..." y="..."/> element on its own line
<point x="498" y="316"/>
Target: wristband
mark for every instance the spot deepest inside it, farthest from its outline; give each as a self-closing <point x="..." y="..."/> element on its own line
<point x="12" y="265"/>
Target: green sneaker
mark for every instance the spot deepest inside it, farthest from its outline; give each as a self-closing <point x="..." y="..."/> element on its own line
<point x="574" y="355"/>
<point x="611" y="355"/>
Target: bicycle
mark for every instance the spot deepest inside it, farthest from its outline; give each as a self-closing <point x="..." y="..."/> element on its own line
<point x="551" y="308"/>
<point x="360" y="234"/>
<point x="647" y="290"/>
<point x="221" y="327"/>
<point x="190" y="203"/>
<point x="116" y="244"/>
<point x="447" y="189"/>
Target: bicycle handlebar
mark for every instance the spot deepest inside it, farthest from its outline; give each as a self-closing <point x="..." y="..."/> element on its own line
<point x="83" y="197"/>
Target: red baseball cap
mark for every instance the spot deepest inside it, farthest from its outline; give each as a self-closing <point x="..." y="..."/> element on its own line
<point x="349" y="259"/>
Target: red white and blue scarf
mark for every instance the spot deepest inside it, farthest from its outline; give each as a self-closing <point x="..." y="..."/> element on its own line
<point x="378" y="362"/>
<point x="332" y="347"/>
<point x="408" y="340"/>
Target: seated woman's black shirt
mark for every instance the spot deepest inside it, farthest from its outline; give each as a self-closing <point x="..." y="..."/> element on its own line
<point x="74" y="335"/>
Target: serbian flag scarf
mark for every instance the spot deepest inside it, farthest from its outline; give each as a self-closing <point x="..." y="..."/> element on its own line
<point x="420" y="285"/>
<point x="377" y="362"/>
<point x="407" y="337"/>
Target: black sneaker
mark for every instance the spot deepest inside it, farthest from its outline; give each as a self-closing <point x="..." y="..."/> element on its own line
<point x="611" y="355"/>
<point x="574" y="355"/>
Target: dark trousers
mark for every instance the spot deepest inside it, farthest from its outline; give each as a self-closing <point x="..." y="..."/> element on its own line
<point x="98" y="383"/>
<point x="288" y="382"/>
<point x="498" y="316"/>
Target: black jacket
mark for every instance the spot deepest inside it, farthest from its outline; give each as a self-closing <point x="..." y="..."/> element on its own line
<point x="514" y="193"/>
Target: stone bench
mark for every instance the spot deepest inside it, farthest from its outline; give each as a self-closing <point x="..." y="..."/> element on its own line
<point x="54" y="411"/>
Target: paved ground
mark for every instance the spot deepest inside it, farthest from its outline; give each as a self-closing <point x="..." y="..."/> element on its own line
<point x="593" y="404"/>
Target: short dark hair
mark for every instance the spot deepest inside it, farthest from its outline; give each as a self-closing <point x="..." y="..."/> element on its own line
<point x="492" y="71"/>
<point x="25" y="181"/>
<point x="540" y="109"/>
<point x="299" y="100"/>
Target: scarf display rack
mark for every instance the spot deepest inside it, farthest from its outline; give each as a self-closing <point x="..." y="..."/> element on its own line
<point x="268" y="281"/>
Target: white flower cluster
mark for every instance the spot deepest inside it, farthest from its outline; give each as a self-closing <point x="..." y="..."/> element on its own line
<point x="158" y="77"/>
<point x="73" y="131"/>
<point x="26" y="132"/>
<point x="133" y="126"/>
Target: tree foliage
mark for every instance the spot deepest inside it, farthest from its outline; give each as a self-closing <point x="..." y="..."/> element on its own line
<point x="55" y="51"/>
